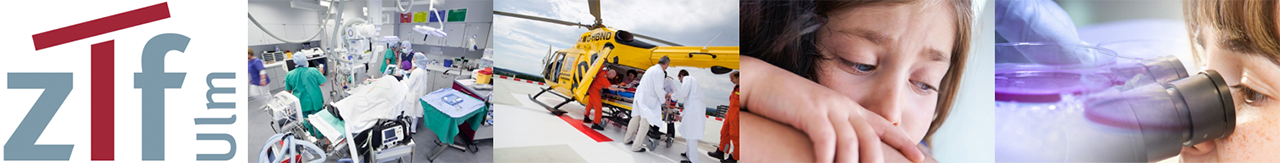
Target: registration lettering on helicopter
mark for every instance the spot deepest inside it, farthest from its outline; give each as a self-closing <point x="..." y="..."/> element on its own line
<point x="598" y="36"/>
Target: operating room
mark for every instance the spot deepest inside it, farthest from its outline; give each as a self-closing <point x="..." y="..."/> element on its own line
<point x="370" y="80"/>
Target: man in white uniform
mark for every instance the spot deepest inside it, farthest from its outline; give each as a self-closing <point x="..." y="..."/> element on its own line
<point x="693" y="116"/>
<point x="647" y="107"/>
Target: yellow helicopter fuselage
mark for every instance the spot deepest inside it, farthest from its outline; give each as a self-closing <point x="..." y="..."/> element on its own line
<point x="571" y="71"/>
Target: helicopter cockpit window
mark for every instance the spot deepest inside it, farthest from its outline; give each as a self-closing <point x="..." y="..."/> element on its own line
<point x="559" y="62"/>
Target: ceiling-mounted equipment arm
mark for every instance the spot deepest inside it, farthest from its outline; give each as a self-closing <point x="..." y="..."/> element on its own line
<point x="313" y="36"/>
<point x="403" y="10"/>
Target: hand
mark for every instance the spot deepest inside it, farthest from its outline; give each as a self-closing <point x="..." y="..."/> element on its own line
<point x="1040" y="21"/>
<point x="1034" y="21"/>
<point x="840" y="129"/>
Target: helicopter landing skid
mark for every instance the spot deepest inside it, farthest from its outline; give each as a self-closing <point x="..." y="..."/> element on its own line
<point x="554" y="110"/>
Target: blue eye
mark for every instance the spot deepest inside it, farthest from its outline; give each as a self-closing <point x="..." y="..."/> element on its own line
<point x="864" y="67"/>
<point x="857" y="68"/>
<point x="921" y="86"/>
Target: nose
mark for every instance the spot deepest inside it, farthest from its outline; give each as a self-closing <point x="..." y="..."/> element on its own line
<point x="885" y="97"/>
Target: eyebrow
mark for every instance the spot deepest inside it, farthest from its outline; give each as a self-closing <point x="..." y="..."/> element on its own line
<point x="934" y="55"/>
<point x="880" y="39"/>
<point x="874" y="37"/>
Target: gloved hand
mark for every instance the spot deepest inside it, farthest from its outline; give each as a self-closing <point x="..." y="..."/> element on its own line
<point x="1034" y="21"/>
<point x="1040" y="21"/>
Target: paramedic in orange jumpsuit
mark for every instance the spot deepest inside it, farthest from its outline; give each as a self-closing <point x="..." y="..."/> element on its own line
<point x="593" y="97"/>
<point x="729" y="131"/>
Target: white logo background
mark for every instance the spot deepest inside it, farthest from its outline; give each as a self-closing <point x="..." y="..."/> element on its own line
<point x="217" y="45"/>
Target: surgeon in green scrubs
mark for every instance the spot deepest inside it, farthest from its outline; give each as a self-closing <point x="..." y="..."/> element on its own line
<point x="388" y="57"/>
<point x="304" y="82"/>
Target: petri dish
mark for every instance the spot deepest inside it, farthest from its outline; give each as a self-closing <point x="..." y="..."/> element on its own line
<point x="1042" y="72"/>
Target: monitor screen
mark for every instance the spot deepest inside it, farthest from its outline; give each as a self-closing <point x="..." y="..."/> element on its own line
<point x="389" y="135"/>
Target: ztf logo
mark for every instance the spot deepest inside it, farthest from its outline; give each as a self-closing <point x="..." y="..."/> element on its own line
<point x="153" y="80"/>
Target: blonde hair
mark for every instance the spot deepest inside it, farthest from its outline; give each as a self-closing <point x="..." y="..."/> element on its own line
<point x="959" y="53"/>
<point x="1245" y="26"/>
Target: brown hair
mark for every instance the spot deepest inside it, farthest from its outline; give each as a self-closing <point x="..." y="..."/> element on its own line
<point x="1245" y="26"/>
<point x="250" y="51"/>
<point x="782" y="34"/>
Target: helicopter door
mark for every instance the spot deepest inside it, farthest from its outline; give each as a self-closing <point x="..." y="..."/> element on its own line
<point x="555" y="78"/>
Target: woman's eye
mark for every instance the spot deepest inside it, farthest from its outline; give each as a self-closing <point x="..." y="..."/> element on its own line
<point x="1250" y="96"/>
<point x="922" y="87"/>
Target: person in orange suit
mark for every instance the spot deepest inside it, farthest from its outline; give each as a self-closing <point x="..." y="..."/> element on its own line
<point x="593" y="96"/>
<point x="729" y="131"/>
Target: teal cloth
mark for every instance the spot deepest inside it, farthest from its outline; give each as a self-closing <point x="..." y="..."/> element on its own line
<point x="446" y="127"/>
<point x="333" y="121"/>
<point x="305" y="83"/>
<point x="390" y="54"/>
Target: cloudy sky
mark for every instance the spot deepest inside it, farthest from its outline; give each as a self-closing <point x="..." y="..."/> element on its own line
<point x="520" y="44"/>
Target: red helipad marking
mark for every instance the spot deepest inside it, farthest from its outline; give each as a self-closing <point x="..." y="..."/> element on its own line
<point x="500" y="76"/>
<point x="517" y="79"/>
<point x="542" y="83"/>
<point x="577" y="123"/>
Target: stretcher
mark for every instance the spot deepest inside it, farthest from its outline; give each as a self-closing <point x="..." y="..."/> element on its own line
<point x="329" y="132"/>
<point x="365" y="114"/>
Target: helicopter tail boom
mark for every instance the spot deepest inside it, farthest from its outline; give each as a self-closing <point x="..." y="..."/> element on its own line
<point x="696" y="56"/>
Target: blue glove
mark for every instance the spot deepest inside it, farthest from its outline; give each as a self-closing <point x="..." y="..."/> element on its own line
<point x="1041" y="21"/>
<point x="1034" y="21"/>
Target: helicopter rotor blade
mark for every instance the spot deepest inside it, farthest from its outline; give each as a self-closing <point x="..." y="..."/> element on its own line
<point x="547" y="58"/>
<point x="595" y="9"/>
<point x="656" y="39"/>
<point x="548" y="20"/>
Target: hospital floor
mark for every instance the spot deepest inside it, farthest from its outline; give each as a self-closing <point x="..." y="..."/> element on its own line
<point x="525" y="132"/>
<point x="260" y="130"/>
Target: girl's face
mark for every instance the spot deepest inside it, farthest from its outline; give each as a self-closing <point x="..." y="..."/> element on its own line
<point x="889" y="58"/>
<point x="1255" y="82"/>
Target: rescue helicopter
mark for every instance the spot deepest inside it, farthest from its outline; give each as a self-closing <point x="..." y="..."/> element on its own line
<point x="569" y="72"/>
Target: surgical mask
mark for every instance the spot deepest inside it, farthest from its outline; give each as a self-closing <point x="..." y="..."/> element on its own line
<point x="1137" y="111"/>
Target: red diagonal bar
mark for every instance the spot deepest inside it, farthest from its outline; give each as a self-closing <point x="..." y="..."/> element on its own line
<point x="576" y="123"/>
<point x="101" y="26"/>
<point x="102" y="109"/>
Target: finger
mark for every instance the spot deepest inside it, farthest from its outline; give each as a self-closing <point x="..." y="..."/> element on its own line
<point x="847" y="139"/>
<point x="823" y="135"/>
<point x="895" y="137"/>
<point x="867" y="135"/>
